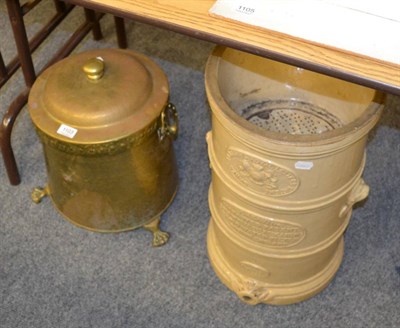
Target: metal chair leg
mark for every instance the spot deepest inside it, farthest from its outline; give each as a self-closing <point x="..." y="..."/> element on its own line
<point x="5" y="136"/>
<point x="96" y="29"/>
<point x="21" y="40"/>
<point x="121" y="32"/>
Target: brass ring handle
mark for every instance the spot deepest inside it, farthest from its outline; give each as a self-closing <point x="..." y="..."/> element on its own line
<point x="169" y="122"/>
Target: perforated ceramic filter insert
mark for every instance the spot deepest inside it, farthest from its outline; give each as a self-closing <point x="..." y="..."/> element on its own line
<point x="290" y="117"/>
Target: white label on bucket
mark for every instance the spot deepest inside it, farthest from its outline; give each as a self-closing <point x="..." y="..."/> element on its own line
<point x="67" y="131"/>
<point x="300" y="165"/>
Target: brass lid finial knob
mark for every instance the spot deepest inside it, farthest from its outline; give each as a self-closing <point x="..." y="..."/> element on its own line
<point x="94" y="68"/>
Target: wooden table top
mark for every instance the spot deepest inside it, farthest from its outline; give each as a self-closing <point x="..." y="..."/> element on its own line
<point x="191" y="17"/>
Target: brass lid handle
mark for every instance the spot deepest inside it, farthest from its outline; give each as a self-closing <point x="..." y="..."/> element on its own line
<point x="94" y="68"/>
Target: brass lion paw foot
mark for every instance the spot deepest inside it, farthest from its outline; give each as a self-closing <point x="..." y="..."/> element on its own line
<point x="39" y="193"/>
<point x="159" y="237"/>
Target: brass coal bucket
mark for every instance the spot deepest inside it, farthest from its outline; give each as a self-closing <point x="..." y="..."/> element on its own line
<point x="287" y="151"/>
<point x="107" y="131"/>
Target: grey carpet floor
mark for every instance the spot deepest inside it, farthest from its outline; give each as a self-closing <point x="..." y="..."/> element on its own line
<point x="53" y="274"/>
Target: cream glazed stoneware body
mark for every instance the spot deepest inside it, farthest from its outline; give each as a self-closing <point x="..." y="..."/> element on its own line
<point x="287" y="152"/>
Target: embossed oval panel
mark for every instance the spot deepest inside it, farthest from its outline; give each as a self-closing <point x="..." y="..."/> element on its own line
<point x="260" y="175"/>
<point x="261" y="229"/>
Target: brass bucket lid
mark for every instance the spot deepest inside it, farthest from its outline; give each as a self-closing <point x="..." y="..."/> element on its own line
<point x="98" y="96"/>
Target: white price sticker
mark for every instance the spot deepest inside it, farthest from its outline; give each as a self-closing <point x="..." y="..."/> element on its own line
<point x="301" y="165"/>
<point x="67" y="131"/>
